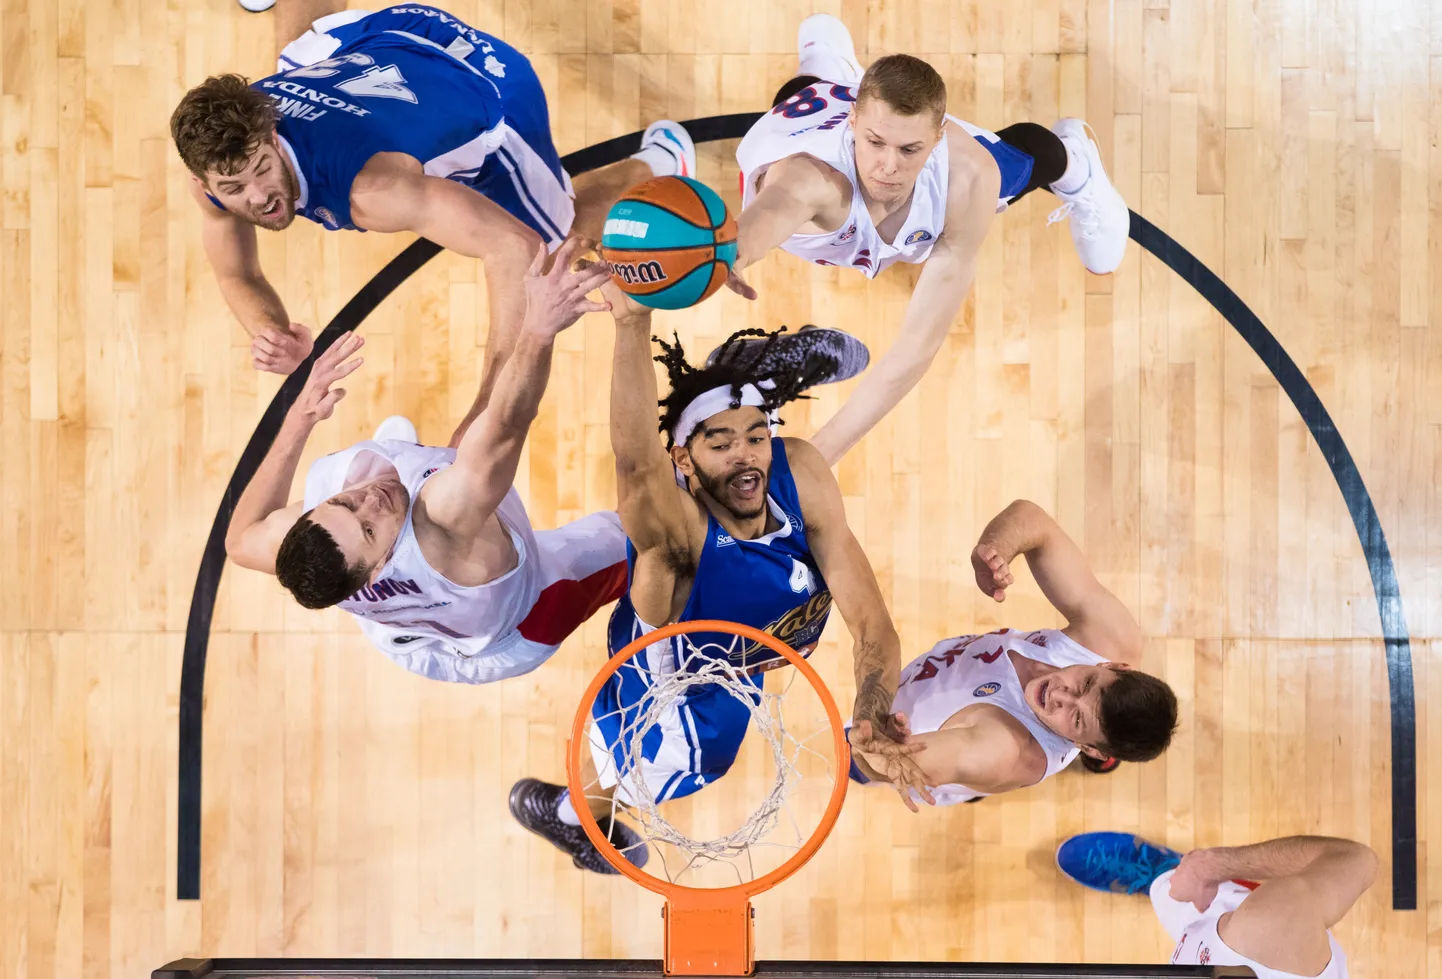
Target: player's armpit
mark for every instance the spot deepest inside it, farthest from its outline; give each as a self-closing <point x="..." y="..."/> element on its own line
<point x="254" y="546"/>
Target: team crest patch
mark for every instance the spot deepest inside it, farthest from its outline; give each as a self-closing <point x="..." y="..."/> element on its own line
<point x="916" y="236"/>
<point x="986" y="689"/>
<point x="430" y="471"/>
<point x="846" y="235"/>
<point x="327" y="218"/>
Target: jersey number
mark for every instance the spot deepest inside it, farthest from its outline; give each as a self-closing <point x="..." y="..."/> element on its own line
<point x="380" y="83"/>
<point x="808" y="102"/>
<point x="802" y="580"/>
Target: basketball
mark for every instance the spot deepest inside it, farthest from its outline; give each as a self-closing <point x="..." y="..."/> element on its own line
<point x="670" y="242"/>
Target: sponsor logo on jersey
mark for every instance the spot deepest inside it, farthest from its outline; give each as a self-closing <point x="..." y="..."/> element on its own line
<point x="494" y="66"/>
<point x="986" y="689"/>
<point x="625" y="226"/>
<point x="430" y="471"/>
<point x="633" y="273"/>
<point x="800" y="628"/>
<point x="405" y="640"/>
<point x="723" y="539"/>
<point x="324" y="215"/>
<point x="311" y="95"/>
<point x="385" y="589"/>
<point x="846" y="235"/>
<point x="916" y="236"/>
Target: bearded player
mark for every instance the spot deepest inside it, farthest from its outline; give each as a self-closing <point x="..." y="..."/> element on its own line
<point x="405" y="119"/>
<point x="862" y="170"/>
<point x="724" y="521"/>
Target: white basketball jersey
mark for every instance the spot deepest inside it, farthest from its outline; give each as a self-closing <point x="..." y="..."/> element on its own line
<point x="1198" y="942"/>
<point x="818" y="127"/>
<point x="968" y="670"/>
<point x="410" y="603"/>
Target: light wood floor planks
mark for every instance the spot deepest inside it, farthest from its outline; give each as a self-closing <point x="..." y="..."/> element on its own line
<point x="352" y="809"/>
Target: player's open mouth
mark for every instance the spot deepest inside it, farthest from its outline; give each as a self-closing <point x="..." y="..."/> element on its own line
<point x="747" y="484"/>
<point x="273" y="209"/>
<point x="1041" y="690"/>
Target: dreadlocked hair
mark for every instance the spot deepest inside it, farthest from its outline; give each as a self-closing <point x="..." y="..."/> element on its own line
<point x="736" y="369"/>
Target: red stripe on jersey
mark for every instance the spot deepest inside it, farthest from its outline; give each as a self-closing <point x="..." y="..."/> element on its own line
<point x="564" y="605"/>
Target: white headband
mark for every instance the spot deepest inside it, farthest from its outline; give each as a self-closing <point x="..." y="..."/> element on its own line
<point x="713" y="402"/>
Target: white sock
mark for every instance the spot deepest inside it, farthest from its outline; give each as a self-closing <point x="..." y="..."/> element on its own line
<point x="1078" y="171"/>
<point x="661" y="162"/>
<point x="567" y="812"/>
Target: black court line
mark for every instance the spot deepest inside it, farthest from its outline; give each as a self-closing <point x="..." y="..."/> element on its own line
<point x="1181" y="261"/>
<point x="1369" y="531"/>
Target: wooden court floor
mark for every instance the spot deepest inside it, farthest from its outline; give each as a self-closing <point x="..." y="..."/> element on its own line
<point x="353" y="809"/>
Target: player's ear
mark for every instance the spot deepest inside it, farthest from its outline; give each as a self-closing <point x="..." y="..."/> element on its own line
<point x="681" y="456"/>
<point x="1091" y="752"/>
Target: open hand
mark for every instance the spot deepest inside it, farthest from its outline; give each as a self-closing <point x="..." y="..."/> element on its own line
<point x="557" y="299"/>
<point x="280" y="350"/>
<point x="887" y="750"/>
<point x="318" y="399"/>
<point x="622" y="306"/>
<point x="993" y="572"/>
<point x="1194" y="881"/>
<point x="738" y="285"/>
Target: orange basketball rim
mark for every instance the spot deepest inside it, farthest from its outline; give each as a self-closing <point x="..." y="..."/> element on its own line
<point x="708" y="931"/>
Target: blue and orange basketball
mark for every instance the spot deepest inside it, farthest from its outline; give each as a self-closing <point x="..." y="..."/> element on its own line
<point x="670" y="242"/>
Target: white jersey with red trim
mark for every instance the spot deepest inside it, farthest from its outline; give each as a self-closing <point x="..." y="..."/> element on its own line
<point x="814" y="122"/>
<point x="430" y="625"/>
<point x="967" y="670"/>
<point x="1199" y="943"/>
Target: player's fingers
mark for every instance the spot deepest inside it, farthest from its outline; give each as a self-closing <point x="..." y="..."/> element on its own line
<point x="564" y="256"/>
<point x="999" y="595"/>
<point x="905" y="792"/>
<point x="348" y="367"/>
<point x="538" y="263"/>
<point x="263" y="344"/>
<point x="590" y="307"/>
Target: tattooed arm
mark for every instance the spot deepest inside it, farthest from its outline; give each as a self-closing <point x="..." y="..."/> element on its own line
<point x="877" y="648"/>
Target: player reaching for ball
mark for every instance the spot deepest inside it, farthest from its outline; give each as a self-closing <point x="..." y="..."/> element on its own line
<point x="405" y="119"/>
<point x="865" y="169"/>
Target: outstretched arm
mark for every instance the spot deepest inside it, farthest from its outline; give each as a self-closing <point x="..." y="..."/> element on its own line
<point x="263" y="514"/>
<point x="660" y="517"/>
<point x="1307" y="884"/>
<point x="876" y="648"/>
<point x="1095" y="617"/>
<point x="393" y="193"/>
<point x="945" y="280"/>
<point x="461" y="498"/>
<point x="277" y="344"/>
<point x="794" y="191"/>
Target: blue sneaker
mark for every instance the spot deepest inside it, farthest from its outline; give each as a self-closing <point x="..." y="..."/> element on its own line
<point x="1119" y="863"/>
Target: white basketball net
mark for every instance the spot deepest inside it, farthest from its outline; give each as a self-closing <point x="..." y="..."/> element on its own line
<point x="699" y="665"/>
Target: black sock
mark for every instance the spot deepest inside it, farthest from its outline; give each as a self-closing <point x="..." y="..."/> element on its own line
<point x="1044" y="147"/>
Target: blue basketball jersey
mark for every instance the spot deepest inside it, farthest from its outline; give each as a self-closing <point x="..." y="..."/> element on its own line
<point x="771" y="583"/>
<point x="414" y="80"/>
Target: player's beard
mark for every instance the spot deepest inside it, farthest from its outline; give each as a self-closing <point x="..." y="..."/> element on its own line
<point x="719" y="488"/>
<point x="282" y="218"/>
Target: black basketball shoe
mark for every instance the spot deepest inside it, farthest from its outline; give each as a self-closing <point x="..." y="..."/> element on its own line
<point x="534" y="803"/>
<point x="816" y="354"/>
<point x="1100" y="766"/>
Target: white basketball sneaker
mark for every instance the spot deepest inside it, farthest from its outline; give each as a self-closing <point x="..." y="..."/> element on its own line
<point x="825" y="50"/>
<point x="667" y="148"/>
<point x="1099" y="220"/>
<point x="256" y="6"/>
<point x="397" y="427"/>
